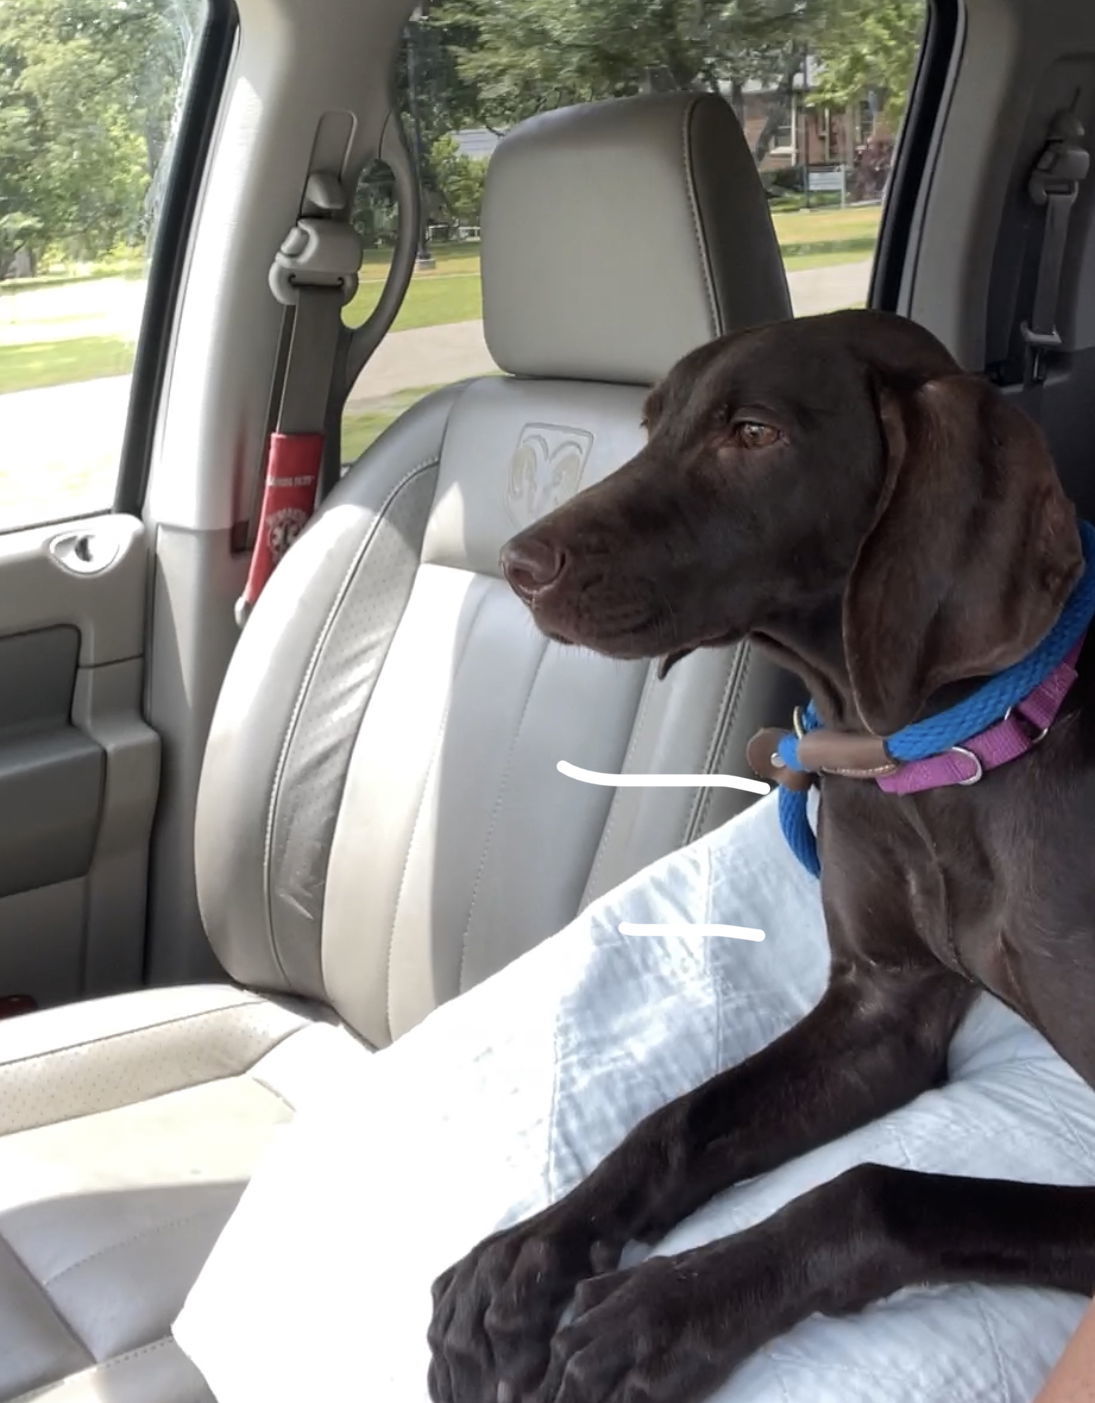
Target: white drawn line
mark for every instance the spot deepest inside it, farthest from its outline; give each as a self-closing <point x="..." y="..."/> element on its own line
<point x="751" y="786"/>
<point x="729" y="932"/>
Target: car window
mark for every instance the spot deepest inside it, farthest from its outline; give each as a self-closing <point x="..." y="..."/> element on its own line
<point x="90" y="98"/>
<point x="820" y="88"/>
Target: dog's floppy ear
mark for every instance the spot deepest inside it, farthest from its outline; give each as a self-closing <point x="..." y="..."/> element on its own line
<point x="973" y="551"/>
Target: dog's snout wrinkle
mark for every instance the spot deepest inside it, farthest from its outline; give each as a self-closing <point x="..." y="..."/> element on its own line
<point x="531" y="563"/>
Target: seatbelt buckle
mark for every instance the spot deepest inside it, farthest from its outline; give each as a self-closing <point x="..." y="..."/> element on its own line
<point x="1040" y="345"/>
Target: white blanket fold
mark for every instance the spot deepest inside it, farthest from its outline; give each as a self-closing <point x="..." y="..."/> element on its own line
<point x="500" y="1101"/>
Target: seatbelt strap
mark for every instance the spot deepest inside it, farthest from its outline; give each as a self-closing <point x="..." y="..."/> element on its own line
<point x="1054" y="184"/>
<point x="315" y="272"/>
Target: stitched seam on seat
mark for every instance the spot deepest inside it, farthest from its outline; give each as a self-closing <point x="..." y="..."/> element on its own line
<point x="260" y="1081"/>
<point x="129" y="1241"/>
<point x="130" y="1033"/>
<point x="305" y="686"/>
<point x="1065" y="1120"/>
<point x="137" y="1353"/>
<point x="853" y="1371"/>
<point x="709" y="970"/>
<point x="724" y="725"/>
<point x="63" y="1320"/>
<point x="499" y="798"/>
<point x="1005" y="1395"/>
<point x="407" y="862"/>
<point x="701" y="801"/>
<point x="697" y="223"/>
<point x="737" y="671"/>
<point x="101" y="1367"/>
<point x="246" y="1070"/>
<point x="780" y="1380"/>
<point x="614" y="808"/>
<point x="550" y="1155"/>
<point x="319" y="834"/>
<point x="418" y="811"/>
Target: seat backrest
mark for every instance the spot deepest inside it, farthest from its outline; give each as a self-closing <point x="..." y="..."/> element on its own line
<point x="381" y="823"/>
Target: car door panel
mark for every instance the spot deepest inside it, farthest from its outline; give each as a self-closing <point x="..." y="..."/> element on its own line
<point x="79" y="767"/>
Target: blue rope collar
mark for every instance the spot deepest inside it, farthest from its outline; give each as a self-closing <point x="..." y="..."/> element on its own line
<point x="937" y="734"/>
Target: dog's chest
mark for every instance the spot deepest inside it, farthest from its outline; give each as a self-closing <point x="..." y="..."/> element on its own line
<point x="996" y="881"/>
<point x="926" y="872"/>
<point x="960" y="916"/>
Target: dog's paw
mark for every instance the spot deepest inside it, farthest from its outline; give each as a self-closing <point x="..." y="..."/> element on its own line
<point x="666" y="1331"/>
<point x="495" y="1311"/>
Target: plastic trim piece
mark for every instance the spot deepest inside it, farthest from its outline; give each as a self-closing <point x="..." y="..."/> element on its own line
<point x="913" y="151"/>
<point x="196" y="127"/>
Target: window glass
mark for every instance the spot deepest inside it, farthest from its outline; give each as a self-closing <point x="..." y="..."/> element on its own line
<point x="90" y="95"/>
<point x="819" y="86"/>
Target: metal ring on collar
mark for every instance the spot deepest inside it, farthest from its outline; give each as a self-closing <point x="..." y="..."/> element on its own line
<point x="1035" y="737"/>
<point x="978" y="772"/>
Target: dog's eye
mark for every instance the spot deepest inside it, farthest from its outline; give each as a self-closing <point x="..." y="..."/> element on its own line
<point x="747" y="433"/>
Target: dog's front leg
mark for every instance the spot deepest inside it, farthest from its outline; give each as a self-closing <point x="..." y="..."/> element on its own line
<point x="878" y="1037"/>
<point x="671" y="1329"/>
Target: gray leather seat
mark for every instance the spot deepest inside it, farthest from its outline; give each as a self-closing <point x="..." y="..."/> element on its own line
<point x="381" y="823"/>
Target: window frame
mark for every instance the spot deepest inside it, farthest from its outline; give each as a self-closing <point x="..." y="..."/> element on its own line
<point x="898" y="234"/>
<point x="790" y="147"/>
<point x="791" y="126"/>
<point x="866" y="122"/>
<point x="197" y="124"/>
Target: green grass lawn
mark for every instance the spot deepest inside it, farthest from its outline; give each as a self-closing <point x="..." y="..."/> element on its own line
<point x="826" y="225"/>
<point x="34" y="364"/>
<point x="437" y="296"/>
<point x="361" y="428"/>
<point x="820" y="238"/>
<point x="449" y="292"/>
<point x="86" y="273"/>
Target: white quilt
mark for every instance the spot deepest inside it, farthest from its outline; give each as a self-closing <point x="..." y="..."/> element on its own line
<point x="319" y="1287"/>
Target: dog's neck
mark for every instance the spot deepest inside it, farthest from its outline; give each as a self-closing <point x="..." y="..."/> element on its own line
<point x="811" y="644"/>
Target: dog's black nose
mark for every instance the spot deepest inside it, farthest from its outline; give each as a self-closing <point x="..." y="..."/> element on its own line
<point x="530" y="564"/>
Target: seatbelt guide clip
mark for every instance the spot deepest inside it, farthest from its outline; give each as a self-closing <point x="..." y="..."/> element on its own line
<point x="1053" y="185"/>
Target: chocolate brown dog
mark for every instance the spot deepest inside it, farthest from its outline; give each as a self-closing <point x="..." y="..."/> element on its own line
<point x="835" y="490"/>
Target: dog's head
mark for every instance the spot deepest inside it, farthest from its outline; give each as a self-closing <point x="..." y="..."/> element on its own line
<point x="834" y="468"/>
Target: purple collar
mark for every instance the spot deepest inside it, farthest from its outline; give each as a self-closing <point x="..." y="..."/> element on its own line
<point x="1025" y="724"/>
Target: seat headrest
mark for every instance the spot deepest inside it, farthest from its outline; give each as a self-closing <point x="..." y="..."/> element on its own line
<point x="619" y="235"/>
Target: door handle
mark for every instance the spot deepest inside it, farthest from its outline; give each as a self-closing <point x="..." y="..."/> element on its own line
<point x="85" y="552"/>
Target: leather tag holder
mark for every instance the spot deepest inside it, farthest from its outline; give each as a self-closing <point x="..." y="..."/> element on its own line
<point x="762" y="756"/>
<point x="854" y="756"/>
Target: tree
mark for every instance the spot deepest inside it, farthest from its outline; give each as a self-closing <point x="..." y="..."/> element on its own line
<point x="460" y="180"/>
<point x="522" y="56"/>
<point x="517" y="57"/>
<point x="869" y="48"/>
<point x="87" y="109"/>
<point x="89" y="89"/>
